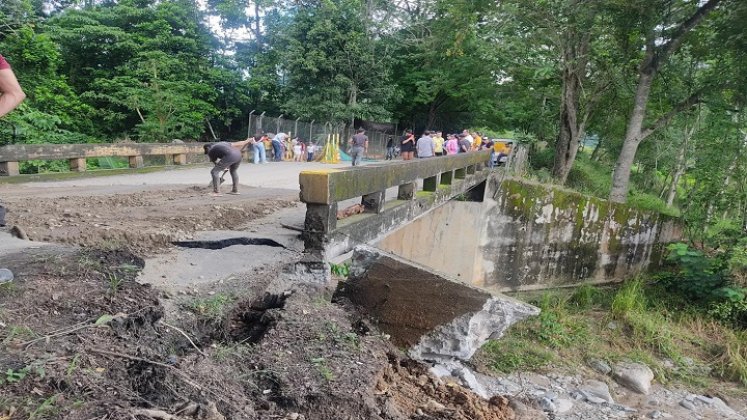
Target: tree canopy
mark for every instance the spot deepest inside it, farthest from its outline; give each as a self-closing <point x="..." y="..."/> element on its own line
<point x="631" y="99"/>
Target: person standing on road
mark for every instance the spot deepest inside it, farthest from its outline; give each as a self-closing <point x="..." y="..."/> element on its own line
<point x="277" y="145"/>
<point x="260" y="155"/>
<point x="390" y="148"/>
<point x="359" y="146"/>
<point x="407" y="145"/>
<point x="11" y="95"/>
<point x="225" y="156"/>
<point x="426" y="147"/>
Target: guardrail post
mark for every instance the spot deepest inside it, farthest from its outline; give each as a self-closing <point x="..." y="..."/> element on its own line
<point x="77" y="164"/>
<point x="407" y="191"/>
<point x="136" y="161"/>
<point x="447" y="178"/>
<point x="431" y="184"/>
<point x="374" y="202"/>
<point x="321" y="219"/>
<point x="9" y="169"/>
<point x="180" y="159"/>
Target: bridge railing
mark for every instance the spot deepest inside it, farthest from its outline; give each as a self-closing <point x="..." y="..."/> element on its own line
<point x="76" y="154"/>
<point x="322" y="190"/>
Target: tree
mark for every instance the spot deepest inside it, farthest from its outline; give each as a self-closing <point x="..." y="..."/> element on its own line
<point x="661" y="38"/>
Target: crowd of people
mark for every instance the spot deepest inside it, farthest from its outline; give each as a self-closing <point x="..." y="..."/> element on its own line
<point x="432" y="144"/>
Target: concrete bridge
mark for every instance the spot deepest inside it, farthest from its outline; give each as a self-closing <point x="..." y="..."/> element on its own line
<point x="417" y="187"/>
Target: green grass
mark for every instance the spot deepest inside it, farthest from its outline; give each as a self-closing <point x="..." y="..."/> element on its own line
<point x="635" y="321"/>
<point x="213" y="307"/>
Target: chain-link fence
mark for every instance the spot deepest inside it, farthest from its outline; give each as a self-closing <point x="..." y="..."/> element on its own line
<point x="317" y="132"/>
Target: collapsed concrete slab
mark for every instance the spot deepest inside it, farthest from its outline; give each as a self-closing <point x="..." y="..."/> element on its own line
<point x="433" y="317"/>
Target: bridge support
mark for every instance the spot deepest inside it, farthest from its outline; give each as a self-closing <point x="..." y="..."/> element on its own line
<point x="320" y="219"/>
<point x="374" y="202"/>
<point x="9" y="169"/>
<point x="407" y="191"/>
<point x="136" y="162"/>
<point x="77" y="164"/>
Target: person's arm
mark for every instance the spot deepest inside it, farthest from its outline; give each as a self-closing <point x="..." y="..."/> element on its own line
<point x="365" y="146"/>
<point x="12" y="94"/>
<point x="240" y="144"/>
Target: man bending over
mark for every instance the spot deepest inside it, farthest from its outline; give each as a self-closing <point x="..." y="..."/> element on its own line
<point x="225" y="156"/>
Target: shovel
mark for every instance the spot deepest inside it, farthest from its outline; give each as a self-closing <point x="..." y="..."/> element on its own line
<point x="222" y="179"/>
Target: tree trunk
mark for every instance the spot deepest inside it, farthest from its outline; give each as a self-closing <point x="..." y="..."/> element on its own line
<point x="571" y="129"/>
<point x="681" y="164"/>
<point x="621" y="174"/>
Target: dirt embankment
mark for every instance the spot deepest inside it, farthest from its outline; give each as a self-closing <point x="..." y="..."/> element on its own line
<point x="81" y="339"/>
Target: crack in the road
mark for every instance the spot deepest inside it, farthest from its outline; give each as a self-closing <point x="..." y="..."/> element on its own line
<point x="224" y="243"/>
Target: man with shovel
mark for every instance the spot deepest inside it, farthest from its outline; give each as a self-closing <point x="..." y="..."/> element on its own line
<point x="226" y="157"/>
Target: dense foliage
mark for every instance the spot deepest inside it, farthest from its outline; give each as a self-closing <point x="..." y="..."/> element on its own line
<point x="634" y="100"/>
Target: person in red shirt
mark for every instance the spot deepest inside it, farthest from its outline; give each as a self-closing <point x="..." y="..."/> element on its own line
<point x="11" y="94"/>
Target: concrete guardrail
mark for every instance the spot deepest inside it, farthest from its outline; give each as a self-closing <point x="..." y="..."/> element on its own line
<point x="321" y="190"/>
<point x="76" y="154"/>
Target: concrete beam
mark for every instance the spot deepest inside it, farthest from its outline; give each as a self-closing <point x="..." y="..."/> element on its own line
<point x="435" y="318"/>
<point x="22" y="152"/>
<point x="366" y="228"/>
<point x="332" y="185"/>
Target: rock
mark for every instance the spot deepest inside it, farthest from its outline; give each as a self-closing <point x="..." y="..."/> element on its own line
<point x="600" y="366"/>
<point x="594" y="391"/>
<point x="634" y="376"/>
<point x="654" y="414"/>
<point x="6" y="276"/>
<point x="563" y="405"/>
<point x="520" y="409"/>
<point x="546" y="405"/>
<point x="434" y="406"/>
<point x="687" y="404"/>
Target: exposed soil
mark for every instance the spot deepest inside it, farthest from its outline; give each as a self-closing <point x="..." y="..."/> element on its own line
<point x="81" y="339"/>
<point x="144" y="221"/>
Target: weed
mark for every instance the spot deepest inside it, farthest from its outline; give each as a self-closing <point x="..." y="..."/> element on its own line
<point x="629" y="298"/>
<point x="73" y="365"/>
<point x="18" y="332"/>
<point x="114" y="283"/>
<point x="324" y="370"/>
<point x="227" y="352"/>
<point x="213" y="307"/>
<point x="514" y="353"/>
<point x="340" y="270"/>
<point x="45" y="408"/>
